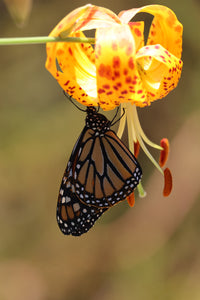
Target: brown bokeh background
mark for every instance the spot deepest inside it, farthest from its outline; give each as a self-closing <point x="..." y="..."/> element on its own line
<point x="151" y="251"/>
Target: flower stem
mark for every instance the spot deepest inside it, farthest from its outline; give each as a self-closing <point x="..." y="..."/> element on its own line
<point x="43" y="40"/>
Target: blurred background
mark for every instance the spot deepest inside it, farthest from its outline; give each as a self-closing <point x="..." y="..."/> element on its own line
<point x="151" y="251"/>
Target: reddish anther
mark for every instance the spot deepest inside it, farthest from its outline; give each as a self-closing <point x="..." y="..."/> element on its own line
<point x="131" y="199"/>
<point x="136" y="149"/>
<point x="168" y="182"/>
<point x="164" y="143"/>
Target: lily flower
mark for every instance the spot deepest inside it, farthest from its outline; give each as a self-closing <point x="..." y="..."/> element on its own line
<point x="120" y="68"/>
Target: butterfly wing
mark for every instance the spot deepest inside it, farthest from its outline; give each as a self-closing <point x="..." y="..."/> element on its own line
<point x="73" y="216"/>
<point x="106" y="172"/>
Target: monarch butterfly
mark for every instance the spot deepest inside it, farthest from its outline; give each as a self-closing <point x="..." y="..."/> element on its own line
<point x="100" y="173"/>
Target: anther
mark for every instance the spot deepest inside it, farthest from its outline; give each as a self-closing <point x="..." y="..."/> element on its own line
<point x="164" y="143"/>
<point x="168" y="182"/>
<point x="136" y="149"/>
<point x="131" y="199"/>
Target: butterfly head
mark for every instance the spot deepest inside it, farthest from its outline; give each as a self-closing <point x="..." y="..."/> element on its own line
<point x="97" y="122"/>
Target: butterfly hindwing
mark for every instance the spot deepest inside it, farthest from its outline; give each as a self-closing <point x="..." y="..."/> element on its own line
<point x="73" y="216"/>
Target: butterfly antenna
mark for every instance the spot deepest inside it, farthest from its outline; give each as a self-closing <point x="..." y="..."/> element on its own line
<point x="71" y="99"/>
<point x="116" y="115"/>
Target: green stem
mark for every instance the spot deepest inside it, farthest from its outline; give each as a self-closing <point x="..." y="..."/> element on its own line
<point x="43" y="40"/>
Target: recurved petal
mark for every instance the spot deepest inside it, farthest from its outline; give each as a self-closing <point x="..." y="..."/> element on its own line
<point x="137" y="29"/>
<point x="72" y="64"/>
<point x="85" y="18"/>
<point x="68" y="23"/>
<point x="159" y="69"/>
<point x="118" y="79"/>
<point x="165" y="29"/>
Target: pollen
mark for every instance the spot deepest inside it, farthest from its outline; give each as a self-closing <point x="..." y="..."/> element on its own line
<point x="168" y="182"/>
<point x="164" y="143"/>
<point x="131" y="200"/>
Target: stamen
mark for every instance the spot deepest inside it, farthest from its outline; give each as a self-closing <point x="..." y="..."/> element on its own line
<point x="168" y="182"/>
<point x="139" y="129"/>
<point x="164" y="143"/>
<point x="131" y="199"/>
<point x="133" y="117"/>
<point x="136" y="149"/>
<point x="146" y="151"/>
<point x="131" y="127"/>
<point x="122" y="123"/>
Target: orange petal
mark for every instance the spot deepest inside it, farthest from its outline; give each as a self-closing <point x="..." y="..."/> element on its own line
<point x="73" y="64"/>
<point x="164" y="143"/>
<point x="159" y="70"/>
<point x="131" y="199"/>
<point x="118" y="79"/>
<point x="137" y="29"/>
<point x="168" y="182"/>
<point x="76" y="72"/>
<point x="85" y="18"/>
<point x="165" y="30"/>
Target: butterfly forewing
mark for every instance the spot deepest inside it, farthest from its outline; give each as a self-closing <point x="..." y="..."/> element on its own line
<point x="106" y="171"/>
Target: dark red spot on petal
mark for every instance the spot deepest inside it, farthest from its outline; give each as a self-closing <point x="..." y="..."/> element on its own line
<point x="105" y="71"/>
<point x="70" y="51"/>
<point x="128" y="79"/>
<point x="67" y="82"/>
<point x="117" y="73"/>
<point x="101" y="91"/>
<point x="137" y="32"/>
<point x="124" y="92"/>
<point x="139" y="92"/>
<point x="131" y="63"/>
<point x="60" y="26"/>
<point x="178" y="28"/>
<point x="106" y="86"/>
<point x="116" y="62"/>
